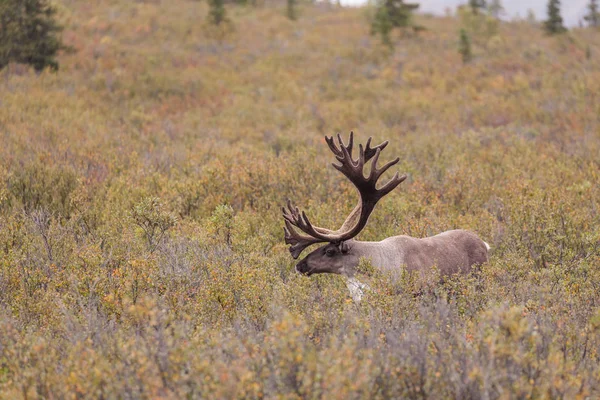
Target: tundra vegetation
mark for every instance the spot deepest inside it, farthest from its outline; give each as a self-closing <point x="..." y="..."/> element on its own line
<point x="141" y="240"/>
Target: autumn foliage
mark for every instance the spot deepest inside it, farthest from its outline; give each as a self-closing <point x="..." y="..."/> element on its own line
<point x="141" y="242"/>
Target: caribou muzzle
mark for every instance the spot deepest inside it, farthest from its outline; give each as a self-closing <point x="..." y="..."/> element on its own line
<point x="303" y="268"/>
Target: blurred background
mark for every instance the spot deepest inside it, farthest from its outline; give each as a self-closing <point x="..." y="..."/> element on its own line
<point x="572" y="10"/>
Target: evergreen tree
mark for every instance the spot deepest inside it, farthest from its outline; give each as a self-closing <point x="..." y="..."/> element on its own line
<point x="382" y="25"/>
<point x="554" y="23"/>
<point x="477" y="5"/>
<point x="217" y="14"/>
<point x="495" y="8"/>
<point x="391" y="14"/>
<point x="291" y="9"/>
<point x="593" y="17"/>
<point x="464" y="46"/>
<point x="29" y="34"/>
<point x="218" y="25"/>
<point x="400" y="12"/>
<point x="479" y="27"/>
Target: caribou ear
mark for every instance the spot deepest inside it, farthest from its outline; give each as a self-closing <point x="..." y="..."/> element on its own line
<point x="344" y="247"/>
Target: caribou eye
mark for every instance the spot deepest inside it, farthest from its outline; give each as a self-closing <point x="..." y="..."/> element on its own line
<point x="330" y="252"/>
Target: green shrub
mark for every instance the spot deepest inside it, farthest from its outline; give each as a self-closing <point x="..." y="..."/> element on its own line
<point x="38" y="185"/>
<point x="154" y="221"/>
<point x="464" y="47"/>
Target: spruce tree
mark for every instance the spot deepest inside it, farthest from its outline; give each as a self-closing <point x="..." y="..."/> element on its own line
<point x="464" y="46"/>
<point x="29" y="34"/>
<point x="218" y="25"/>
<point x="217" y="14"/>
<point x="391" y="14"/>
<point x="554" y="23"/>
<point x="477" y="5"/>
<point x="291" y="9"/>
<point x="400" y="12"/>
<point x="593" y="17"/>
<point x="382" y="25"/>
<point x="495" y="8"/>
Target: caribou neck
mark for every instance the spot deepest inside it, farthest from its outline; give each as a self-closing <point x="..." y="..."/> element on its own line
<point x="379" y="255"/>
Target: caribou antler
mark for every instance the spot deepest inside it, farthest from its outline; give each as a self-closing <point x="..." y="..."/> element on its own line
<point x="297" y="241"/>
<point x="367" y="188"/>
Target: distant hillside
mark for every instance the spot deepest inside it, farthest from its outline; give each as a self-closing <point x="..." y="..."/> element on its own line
<point x="572" y="10"/>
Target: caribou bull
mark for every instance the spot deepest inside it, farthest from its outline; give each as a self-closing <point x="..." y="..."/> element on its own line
<point x="454" y="251"/>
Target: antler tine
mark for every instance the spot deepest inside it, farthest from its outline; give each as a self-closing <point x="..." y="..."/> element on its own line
<point x="351" y="143"/>
<point x="373" y="174"/>
<point x="387" y="166"/>
<point x="361" y="157"/>
<point x="392" y="183"/>
<point x="340" y="141"/>
<point x="291" y="236"/>
<point x="370" y="152"/>
<point x="376" y="173"/>
<point x="289" y="214"/>
<point x="332" y="146"/>
<point x="294" y="217"/>
<point x="366" y="186"/>
<point x="308" y="227"/>
<point x="346" y="150"/>
<point x="297" y="241"/>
